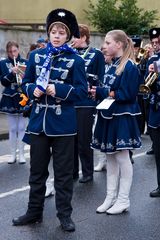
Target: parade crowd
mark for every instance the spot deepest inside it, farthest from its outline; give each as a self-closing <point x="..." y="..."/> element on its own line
<point x="68" y="99"/>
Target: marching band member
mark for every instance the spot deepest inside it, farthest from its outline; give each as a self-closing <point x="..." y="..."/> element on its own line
<point x="55" y="78"/>
<point x="10" y="99"/>
<point x="154" y="110"/>
<point x="95" y="68"/>
<point x="154" y="34"/>
<point x="141" y="64"/>
<point x="117" y="131"/>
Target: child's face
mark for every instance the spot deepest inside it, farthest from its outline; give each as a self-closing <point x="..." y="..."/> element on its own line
<point x="13" y="52"/>
<point x="112" y="47"/>
<point x="78" y="42"/>
<point x="155" y="44"/>
<point x="58" y="35"/>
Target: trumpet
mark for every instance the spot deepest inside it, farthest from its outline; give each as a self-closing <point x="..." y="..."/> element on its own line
<point x="145" y="88"/>
<point x="142" y="54"/>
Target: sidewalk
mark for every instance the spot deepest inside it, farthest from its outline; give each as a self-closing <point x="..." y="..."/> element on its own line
<point x="3" y="127"/>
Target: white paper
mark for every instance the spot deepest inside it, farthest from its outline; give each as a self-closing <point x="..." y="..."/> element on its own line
<point x="105" y="104"/>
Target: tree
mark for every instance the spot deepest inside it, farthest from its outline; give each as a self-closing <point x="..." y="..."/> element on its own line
<point x="107" y="15"/>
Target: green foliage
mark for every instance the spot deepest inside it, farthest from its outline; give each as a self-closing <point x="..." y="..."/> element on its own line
<point x="107" y="15"/>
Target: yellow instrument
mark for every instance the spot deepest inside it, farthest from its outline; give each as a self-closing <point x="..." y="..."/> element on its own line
<point x="145" y="88"/>
<point x="142" y="54"/>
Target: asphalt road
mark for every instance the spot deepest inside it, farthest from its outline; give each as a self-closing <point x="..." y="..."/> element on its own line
<point x="141" y="223"/>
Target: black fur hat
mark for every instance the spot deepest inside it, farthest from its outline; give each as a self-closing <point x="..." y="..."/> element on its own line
<point x="136" y="41"/>
<point x="154" y="33"/>
<point x="66" y="17"/>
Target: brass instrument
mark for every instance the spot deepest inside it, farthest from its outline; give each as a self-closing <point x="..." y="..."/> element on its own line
<point x="142" y="54"/>
<point x="145" y="88"/>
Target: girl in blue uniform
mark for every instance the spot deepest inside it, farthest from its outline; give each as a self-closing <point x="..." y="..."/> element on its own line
<point x="54" y="80"/>
<point x="116" y="130"/>
<point x="10" y="99"/>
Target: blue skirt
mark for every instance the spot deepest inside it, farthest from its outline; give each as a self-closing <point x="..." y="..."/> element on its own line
<point x="120" y="132"/>
<point x="10" y="104"/>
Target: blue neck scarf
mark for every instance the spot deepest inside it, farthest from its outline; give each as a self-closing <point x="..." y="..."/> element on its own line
<point x="43" y="79"/>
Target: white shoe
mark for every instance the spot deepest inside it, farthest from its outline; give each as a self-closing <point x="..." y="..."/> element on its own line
<point x="101" y="166"/>
<point x="111" y="197"/>
<point x="13" y="153"/>
<point x="49" y="190"/>
<point x="119" y="207"/>
<point x="108" y="202"/>
<point x="12" y="159"/>
<point x="123" y="203"/>
<point x="22" y="160"/>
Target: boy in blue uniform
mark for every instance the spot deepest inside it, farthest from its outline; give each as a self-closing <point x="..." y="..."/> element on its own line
<point x="85" y="108"/>
<point x="55" y="79"/>
<point x="154" y="110"/>
<point x="154" y="34"/>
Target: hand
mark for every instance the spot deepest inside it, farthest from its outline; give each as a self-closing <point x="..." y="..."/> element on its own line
<point x="37" y="92"/>
<point x="14" y="70"/>
<point x="112" y="94"/>
<point x="151" y="68"/>
<point x="93" y="91"/>
<point x="51" y="90"/>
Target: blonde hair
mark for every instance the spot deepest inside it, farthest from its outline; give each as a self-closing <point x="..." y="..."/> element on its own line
<point x="128" y="49"/>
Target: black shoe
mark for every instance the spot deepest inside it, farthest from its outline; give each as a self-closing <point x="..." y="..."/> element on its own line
<point x="86" y="179"/>
<point x="27" y="219"/>
<point x="155" y="193"/>
<point x="150" y="152"/>
<point x="67" y="224"/>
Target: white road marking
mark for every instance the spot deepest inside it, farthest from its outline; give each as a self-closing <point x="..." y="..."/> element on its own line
<point x="2" y="195"/>
<point x="139" y="155"/>
<point x="6" y="157"/>
<point x="22" y="189"/>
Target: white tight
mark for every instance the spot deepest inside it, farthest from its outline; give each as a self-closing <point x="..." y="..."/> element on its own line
<point x="119" y="164"/>
<point x="16" y="124"/>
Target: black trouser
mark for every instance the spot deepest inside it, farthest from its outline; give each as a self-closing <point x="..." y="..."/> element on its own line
<point x="155" y="136"/>
<point x="63" y="158"/>
<point x="83" y="151"/>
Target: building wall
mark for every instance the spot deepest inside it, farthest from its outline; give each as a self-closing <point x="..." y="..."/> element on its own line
<point x="151" y="5"/>
<point x="36" y="11"/>
<point x="27" y="37"/>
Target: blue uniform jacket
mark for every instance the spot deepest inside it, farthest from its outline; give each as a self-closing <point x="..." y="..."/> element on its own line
<point x="95" y="70"/>
<point x="7" y="78"/>
<point x="55" y="116"/>
<point x="154" y="111"/>
<point x="125" y="86"/>
<point x="11" y="94"/>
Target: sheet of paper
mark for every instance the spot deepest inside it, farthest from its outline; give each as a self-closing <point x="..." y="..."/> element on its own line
<point x="105" y="104"/>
